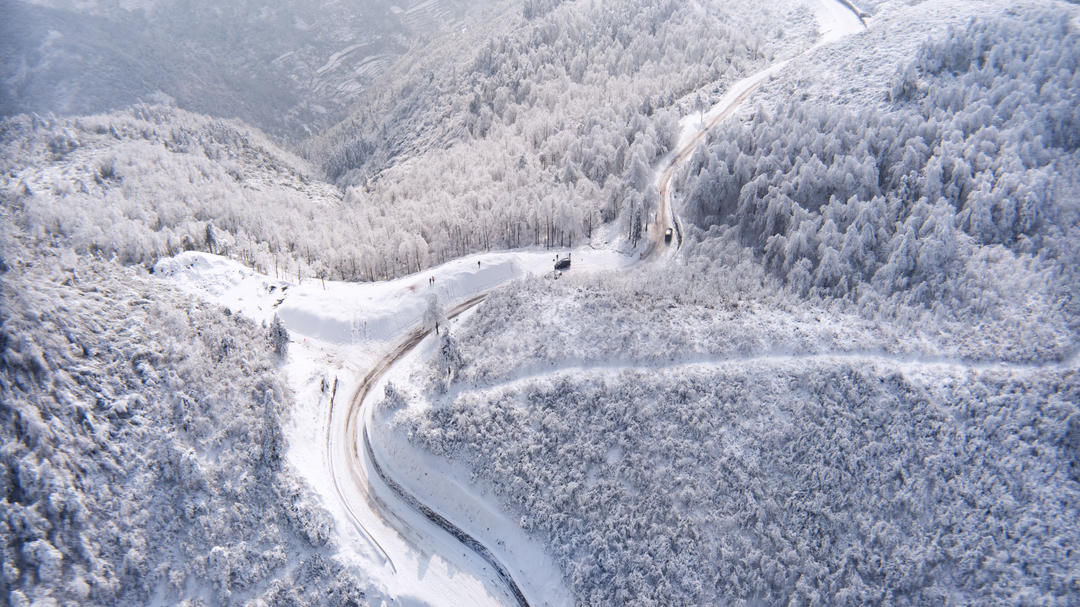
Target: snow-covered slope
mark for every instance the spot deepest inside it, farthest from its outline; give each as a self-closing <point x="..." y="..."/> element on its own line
<point x="143" y="447"/>
<point x="290" y="67"/>
<point x="339" y="331"/>
<point x="545" y="128"/>
<point x="942" y="199"/>
<point x="151" y="181"/>
<point x="839" y="481"/>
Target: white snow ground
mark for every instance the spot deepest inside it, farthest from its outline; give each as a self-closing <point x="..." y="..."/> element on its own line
<point x="339" y="330"/>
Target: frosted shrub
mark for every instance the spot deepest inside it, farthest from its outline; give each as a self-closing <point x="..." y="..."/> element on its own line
<point x="279" y="337"/>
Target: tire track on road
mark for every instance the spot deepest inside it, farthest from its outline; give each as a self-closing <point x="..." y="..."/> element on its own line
<point x="356" y="426"/>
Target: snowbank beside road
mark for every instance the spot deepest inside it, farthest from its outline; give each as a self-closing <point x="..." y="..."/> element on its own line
<point x="448" y="488"/>
<point x="224" y="282"/>
<point x="347" y="313"/>
<point x="351" y="313"/>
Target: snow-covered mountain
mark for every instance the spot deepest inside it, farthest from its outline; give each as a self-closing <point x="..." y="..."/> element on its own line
<point x="331" y="361"/>
<point x="290" y="68"/>
<point x="858" y="413"/>
<point x="152" y="181"/>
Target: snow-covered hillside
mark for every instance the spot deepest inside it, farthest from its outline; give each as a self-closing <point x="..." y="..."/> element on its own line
<point x="143" y="448"/>
<point x="339" y="332"/>
<point x="828" y="481"/>
<point x="236" y="369"/>
<point x="960" y="181"/>
<point x="290" y="67"/>
<point x="546" y="128"/>
<point x="151" y="181"/>
<point x="767" y="418"/>
<point x="641" y="423"/>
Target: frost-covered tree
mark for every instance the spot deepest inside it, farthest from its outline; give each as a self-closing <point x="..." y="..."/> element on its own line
<point x="450" y="357"/>
<point x="279" y="337"/>
<point x="434" y="314"/>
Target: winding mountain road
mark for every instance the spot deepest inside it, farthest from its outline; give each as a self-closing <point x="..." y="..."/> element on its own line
<point x="360" y="461"/>
<point x="350" y="456"/>
<point x="668" y="219"/>
<point x="845" y="19"/>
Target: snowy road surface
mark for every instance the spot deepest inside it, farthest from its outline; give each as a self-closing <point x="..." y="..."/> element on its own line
<point x="341" y="334"/>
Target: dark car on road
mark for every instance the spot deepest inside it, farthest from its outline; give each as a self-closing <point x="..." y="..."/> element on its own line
<point x="667" y="236"/>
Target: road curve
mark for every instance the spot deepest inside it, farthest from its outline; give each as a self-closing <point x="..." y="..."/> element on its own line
<point x="743" y="89"/>
<point x="858" y="12"/>
<point x="668" y="219"/>
<point x="460" y="534"/>
<point x="359" y="451"/>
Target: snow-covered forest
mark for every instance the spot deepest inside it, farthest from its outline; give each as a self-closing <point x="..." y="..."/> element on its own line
<point x="857" y="386"/>
<point x="967" y="176"/>
<point x="547" y="131"/>
<point x="693" y="404"/>
<point x="142" y="454"/>
<point x="152" y="181"/>
<point x="544" y="135"/>
<point x="824" y="482"/>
